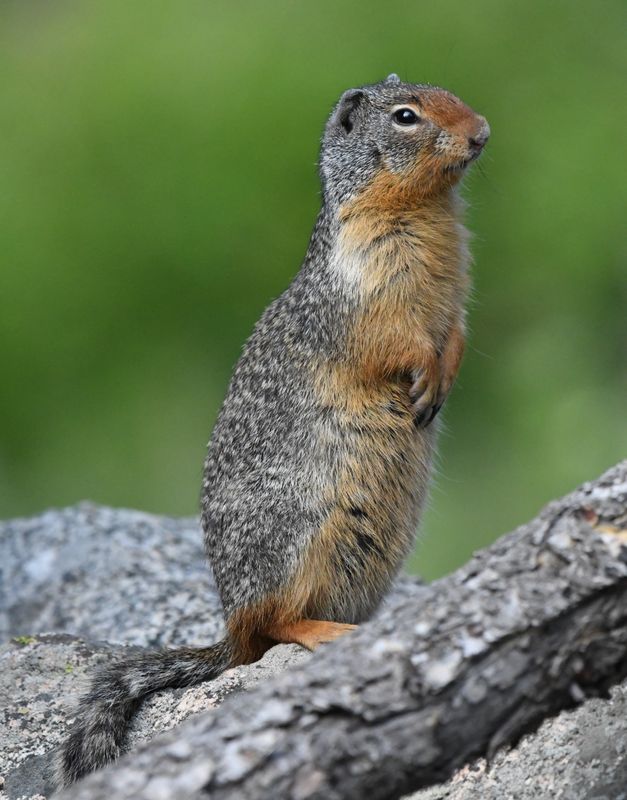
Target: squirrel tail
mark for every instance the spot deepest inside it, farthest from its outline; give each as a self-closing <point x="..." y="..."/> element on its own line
<point x="117" y="690"/>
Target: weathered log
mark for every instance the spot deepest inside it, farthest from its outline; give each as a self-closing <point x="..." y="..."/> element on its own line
<point x="531" y="625"/>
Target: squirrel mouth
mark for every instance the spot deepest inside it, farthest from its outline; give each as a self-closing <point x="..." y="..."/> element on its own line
<point x="460" y="166"/>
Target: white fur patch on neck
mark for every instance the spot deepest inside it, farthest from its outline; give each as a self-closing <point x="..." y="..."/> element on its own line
<point x="348" y="264"/>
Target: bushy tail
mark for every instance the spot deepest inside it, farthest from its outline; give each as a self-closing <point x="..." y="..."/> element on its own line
<point x="116" y="691"/>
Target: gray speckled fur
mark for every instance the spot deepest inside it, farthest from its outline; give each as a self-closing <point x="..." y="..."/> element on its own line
<point x="263" y="498"/>
<point x="261" y="503"/>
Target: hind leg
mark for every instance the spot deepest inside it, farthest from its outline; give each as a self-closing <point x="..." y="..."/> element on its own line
<point x="309" y="633"/>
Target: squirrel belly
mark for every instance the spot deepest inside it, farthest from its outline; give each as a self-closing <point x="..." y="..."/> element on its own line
<point x="320" y="459"/>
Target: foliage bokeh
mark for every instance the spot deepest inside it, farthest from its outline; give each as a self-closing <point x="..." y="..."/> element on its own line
<point x="158" y="187"/>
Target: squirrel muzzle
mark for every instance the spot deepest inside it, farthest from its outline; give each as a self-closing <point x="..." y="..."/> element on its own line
<point x="462" y="133"/>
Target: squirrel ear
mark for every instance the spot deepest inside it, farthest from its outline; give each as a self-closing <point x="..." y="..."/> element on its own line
<point x="392" y="78"/>
<point x="345" y="110"/>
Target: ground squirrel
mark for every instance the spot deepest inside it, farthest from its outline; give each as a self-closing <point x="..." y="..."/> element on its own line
<point x="319" y="461"/>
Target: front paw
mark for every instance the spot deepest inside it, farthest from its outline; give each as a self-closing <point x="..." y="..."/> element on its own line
<point x="435" y="378"/>
<point x="425" y="396"/>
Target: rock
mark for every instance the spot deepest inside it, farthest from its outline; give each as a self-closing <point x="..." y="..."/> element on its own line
<point x="113" y="576"/>
<point x="101" y="573"/>
<point x="579" y="755"/>
<point x="38" y="680"/>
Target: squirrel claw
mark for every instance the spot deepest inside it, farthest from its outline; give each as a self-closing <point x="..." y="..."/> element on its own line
<point x="435" y="411"/>
<point x="426" y="417"/>
<point x="425" y="399"/>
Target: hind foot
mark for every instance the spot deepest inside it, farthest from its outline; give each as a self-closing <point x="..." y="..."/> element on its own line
<point x="309" y="633"/>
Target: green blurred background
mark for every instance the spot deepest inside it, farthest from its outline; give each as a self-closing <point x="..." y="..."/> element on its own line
<point x="158" y="188"/>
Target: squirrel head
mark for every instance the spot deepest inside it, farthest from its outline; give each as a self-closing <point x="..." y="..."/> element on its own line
<point x="414" y="139"/>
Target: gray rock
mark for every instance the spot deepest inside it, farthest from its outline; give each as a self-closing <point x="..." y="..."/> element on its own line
<point x="579" y="755"/>
<point x="135" y="578"/>
<point x="103" y="573"/>
<point x="39" y="677"/>
<point x="579" y="752"/>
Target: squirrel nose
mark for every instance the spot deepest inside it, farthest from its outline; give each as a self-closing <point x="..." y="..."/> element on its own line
<point x="477" y="140"/>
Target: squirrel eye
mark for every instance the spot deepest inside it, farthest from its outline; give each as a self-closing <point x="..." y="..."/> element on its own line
<point x="405" y="116"/>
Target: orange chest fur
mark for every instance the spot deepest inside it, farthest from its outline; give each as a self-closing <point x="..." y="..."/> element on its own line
<point x="411" y="279"/>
